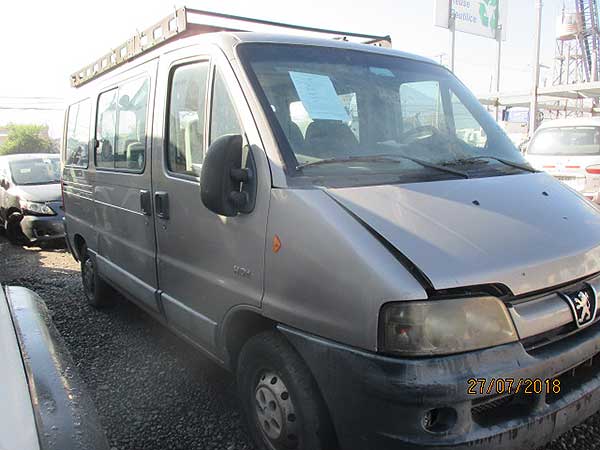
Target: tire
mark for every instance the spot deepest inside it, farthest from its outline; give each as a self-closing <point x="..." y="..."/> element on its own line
<point x="97" y="292"/>
<point x="13" y="229"/>
<point x="283" y="407"/>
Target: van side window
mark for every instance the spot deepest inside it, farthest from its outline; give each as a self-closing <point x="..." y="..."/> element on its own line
<point x="78" y="134"/>
<point x="223" y="119"/>
<point x="187" y="103"/>
<point x="121" y="126"/>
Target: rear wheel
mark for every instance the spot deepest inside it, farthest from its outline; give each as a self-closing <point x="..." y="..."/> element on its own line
<point x="280" y="399"/>
<point x="97" y="292"/>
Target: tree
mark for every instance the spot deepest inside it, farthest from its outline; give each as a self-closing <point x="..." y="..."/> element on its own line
<point x="27" y="139"/>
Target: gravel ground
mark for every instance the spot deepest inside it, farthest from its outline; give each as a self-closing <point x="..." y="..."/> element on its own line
<point x="152" y="390"/>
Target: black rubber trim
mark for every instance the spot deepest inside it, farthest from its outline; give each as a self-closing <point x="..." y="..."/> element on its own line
<point x="64" y="413"/>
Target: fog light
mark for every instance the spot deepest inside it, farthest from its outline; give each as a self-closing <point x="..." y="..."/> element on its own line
<point x="439" y="420"/>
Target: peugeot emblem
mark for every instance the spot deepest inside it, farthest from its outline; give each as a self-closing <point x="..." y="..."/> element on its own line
<point x="583" y="305"/>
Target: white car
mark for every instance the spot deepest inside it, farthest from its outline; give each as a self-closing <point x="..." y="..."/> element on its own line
<point x="569" y="150"/>
<point x="44" y="402"/>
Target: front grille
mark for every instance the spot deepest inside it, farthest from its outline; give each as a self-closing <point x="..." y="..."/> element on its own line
<point x="538" y="343"/>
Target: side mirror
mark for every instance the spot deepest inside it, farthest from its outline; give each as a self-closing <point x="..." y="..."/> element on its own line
<point x="227" y="182"/>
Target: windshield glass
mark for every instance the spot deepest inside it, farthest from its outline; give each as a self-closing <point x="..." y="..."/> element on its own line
<point x="566" y="141"/>
<point x="347" y="112"/>
<point x="35" y="171"/>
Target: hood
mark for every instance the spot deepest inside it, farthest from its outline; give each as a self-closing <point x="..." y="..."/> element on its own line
<point x="38" y="192"/>
<point x="528" y="232"/>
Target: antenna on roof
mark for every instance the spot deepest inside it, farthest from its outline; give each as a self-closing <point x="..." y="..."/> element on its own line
<point x="186" y="22"/>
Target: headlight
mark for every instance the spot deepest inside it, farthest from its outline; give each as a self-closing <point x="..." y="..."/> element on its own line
<point x="36" y="208"/>
<point x="438" y="327"/>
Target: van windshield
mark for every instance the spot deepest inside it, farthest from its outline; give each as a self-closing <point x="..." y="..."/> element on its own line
<point x="572" y="141"/>
<point x="35" y="171"/>
<point x="356" y="113"/>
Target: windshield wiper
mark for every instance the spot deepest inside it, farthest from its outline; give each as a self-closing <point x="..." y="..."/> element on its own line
<point x="374" y="158"/>
<point x="435" y="166"/>
<point x="379" y="158"/>
<point x="501" y="160"/>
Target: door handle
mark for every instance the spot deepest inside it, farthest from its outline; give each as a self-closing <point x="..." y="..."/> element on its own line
<point x="161" y="203"/>
<point x="146" y="203"/>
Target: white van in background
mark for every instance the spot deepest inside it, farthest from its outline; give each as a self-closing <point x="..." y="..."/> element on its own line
<point x="569" y="150"/>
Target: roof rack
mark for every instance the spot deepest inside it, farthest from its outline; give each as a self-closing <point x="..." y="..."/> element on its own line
<point x="186" y="22"/>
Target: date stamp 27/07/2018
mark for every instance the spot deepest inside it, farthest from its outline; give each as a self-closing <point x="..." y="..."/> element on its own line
<point x="527" y="386"/>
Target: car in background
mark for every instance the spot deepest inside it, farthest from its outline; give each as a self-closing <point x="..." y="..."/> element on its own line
<point x="31" y="207"/>
<point x="44" y="402"/>
<point x="569" y="150"/>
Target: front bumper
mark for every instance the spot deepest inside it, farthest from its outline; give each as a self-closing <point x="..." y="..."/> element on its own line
<point x="43" y="228"/>
<point x="379" y="402"/>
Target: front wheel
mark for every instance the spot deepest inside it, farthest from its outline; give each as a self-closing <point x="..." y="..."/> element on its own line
<point x="97" y="292"/>
<point x="280" y="399"/>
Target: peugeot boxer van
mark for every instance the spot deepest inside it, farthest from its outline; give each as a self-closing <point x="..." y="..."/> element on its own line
<point x="345" y="228"/>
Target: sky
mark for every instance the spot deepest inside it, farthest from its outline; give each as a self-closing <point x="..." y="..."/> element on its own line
<point x="42" y="42"/>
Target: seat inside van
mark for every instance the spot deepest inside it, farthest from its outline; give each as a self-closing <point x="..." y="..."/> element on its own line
<point x="329" y="139"/>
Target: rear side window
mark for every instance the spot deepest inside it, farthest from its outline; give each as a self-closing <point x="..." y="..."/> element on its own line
<point x="78" y="134"/>
<point x="187" y="103"/>
<point x="223" y="119"/>
<point x="121" y="127"/>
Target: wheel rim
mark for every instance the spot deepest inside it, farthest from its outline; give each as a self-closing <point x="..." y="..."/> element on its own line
<point x="275" y="412"/>
<point x="88" y="276"/>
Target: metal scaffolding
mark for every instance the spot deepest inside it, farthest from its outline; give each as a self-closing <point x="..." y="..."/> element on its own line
<point x="577" y="55"/>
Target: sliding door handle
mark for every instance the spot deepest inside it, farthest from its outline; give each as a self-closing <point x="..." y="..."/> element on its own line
<point x="146" y="202"/>
<point x="161" y="203"/>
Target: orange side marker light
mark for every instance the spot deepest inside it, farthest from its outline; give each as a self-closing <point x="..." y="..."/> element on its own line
<point x="276" y="244"/>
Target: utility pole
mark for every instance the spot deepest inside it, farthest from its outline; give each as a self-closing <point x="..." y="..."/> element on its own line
<point x="533" y="110"/>
<point x="452" y="26"/>
<point x="499" y="39"/>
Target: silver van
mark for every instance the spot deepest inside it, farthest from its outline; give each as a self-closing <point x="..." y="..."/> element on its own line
<point x="345" y="228"/>
<point x="569" y="150"/>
